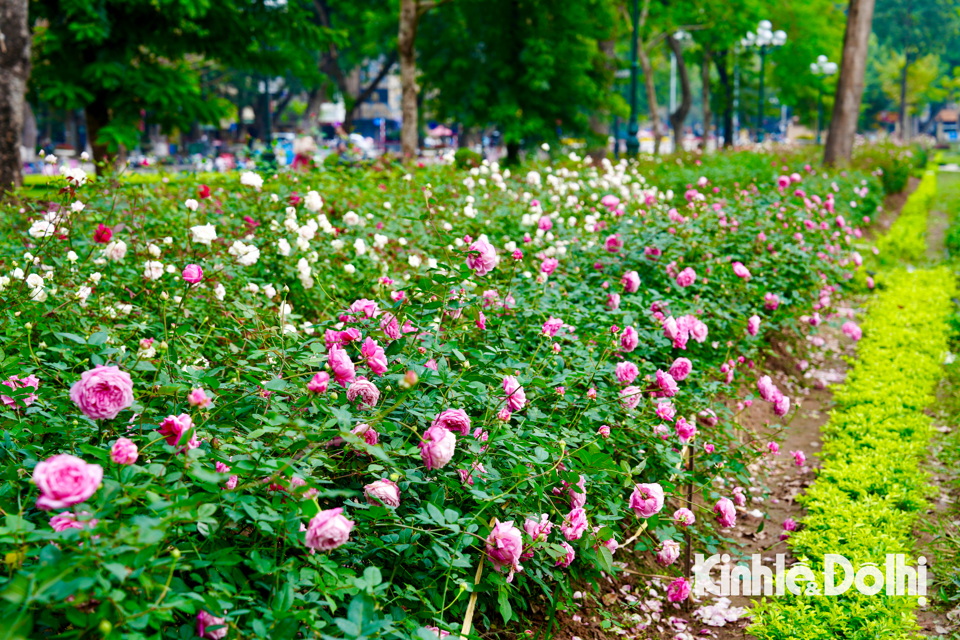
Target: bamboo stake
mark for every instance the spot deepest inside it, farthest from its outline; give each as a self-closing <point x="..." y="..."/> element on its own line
<point x="468" y="618"/>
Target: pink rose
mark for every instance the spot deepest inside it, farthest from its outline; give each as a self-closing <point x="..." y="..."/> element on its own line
<point x="685" y="430"/>
<point x="709" y="418"/>
<point x="364" y="308"/>
<point x="789" y="524"/>
<point x="611" y="544"/>
<point x="684" y="517"/>
<point x="666" y="411"/>
<point x="102" y="392"/>
<point x="192" y="273"/>
<point x="726" y="512"/>
<point x="666" y="383"/>
<point x="630" y="397"/>
<point x="646" y="499"/>
<point x="626" y="372"/>
<point x="366" y="433"/>
<point x="574" y="524"/>
<point x="577" y="493"/>
<point x="516" y="397"/>
<point x="604" y="431"/>
<point x="383" y="492"/>
<point x="753" y="325"/>
<point x="552" y="326"/>
<point x="686" y="277"/>
<point x="504" y="546"/>
<point x="851" y="330"/>
<point x="16" y="382"/>
<point x="365" y="391"/>
<point x="799" y="458"/>
<point x="341" y="365"/>
<point x="741" y="271"/>
<point x="205" y="620"/>
<point x="124" y="451"/>
<point x="698" y="331"/>
<point x="390" y="326"/>
<point x="67" y="520"/>
<point x="437" y="447"/>
<point x="678" y="590"/>
<point x="569" y="554"/>
<point x="328" y="530"/>
<point x="680" y="369"/>
<point x="174" y="427"/>
<point x="668" y="553"/>
<point x="613" y="243"/>
<point x="768" y="390"/>
<point x="375" y="356"/>
<point x="65" y="480"/>
<point x="774" y="448"/>
<point x="484" y="259"/>
<point x="199" y="398"/>
<point x="453" y="420"/>
<point x="771" y="301"/>
<point x="630" y="281"/>
<point x="629" y="339"/>
<point x="739" y="498"/>
<point x="319" y="383"/>
<point x="781" y="406"/>
<point x="613" y="301"/>
<point x="610" y="201"/>
<point x="670" y="328"/>
<point x="538" y="529"/>
<point x="549" y="265"/>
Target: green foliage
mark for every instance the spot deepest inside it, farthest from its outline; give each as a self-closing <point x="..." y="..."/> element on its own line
<point x="907" y="237"/>
<point x="120" y="58"/>
<point x="531" y="69"/>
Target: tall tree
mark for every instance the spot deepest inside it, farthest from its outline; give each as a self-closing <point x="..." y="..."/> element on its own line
<point x="411" y="11"/>
<point x="14" y="71"/>
<point x="532" y="68"/>
<point x="846" y="105"/>
<point x="118" y="58"/>
<point x="678" y="117"/>
<point x="915" y="28"/>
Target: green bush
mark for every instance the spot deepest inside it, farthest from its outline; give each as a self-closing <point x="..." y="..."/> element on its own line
<point x="906" y="239"/>
<point x="466" y="158"/>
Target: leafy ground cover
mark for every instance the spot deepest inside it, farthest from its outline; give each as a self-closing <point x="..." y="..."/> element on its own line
<point x="373" y="402"/>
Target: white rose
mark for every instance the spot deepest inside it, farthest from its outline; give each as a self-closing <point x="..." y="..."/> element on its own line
<point x="219" y="291"/>
<point x="351" y="218"/>
<point x="251" y="179"/>
<point x="154" y="250"/>
<point x="115" y="251"/>
<point x="269" y="291"/>
<point x="313" y="201"/>
<point x="246" y="254"/>
<point x="153" y="270"/>
<point x="284" y="247"/>
<point x="204" y="233"/>
<point x="72" y="256"/>
<point x="360" y="246"/>
<point x="414" y="261"/>
<point x="191" y="204"/>
<point x="349" y="268"/>
<point x="76" y="207"/>
<point x="35" y="281"/>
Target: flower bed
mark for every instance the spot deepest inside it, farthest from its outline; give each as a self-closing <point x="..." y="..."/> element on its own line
<point x="872" y="486"/>
<point x="387" y="402"/>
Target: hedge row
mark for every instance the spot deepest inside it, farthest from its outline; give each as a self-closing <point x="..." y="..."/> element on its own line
<point x="907" y="237"/>
<point x="872" y="488"/>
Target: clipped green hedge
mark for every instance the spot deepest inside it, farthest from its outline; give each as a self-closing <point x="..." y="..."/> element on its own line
<point x="907" y="237"/>
<point x="872" y="487"/>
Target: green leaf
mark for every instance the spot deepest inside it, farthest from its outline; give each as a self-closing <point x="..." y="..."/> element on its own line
<point x="503" y="598"/>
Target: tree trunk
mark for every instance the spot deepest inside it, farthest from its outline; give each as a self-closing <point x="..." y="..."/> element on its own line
<point x="29" y="131"/>
<point x="721" y="63"/>
<point x="98" y="116"/>
<point x="651" y="96"/>
<point x="904" y="134"/>
<point x="705" y="79"/>
<point x="846" y="106"/>
<point x="406" y="51"/>
<point x="678" y="117"/>
<point x="513" y="154"/>
<point x="14" y="71"/>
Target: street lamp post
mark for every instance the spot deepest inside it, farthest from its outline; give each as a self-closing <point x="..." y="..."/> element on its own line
<point x="633" y="129"/>
<point x="822" y="67"/>
<point x="763" y="40"/>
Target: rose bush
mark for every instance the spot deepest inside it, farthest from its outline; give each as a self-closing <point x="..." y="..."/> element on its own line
<point x="320" y="402"/>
